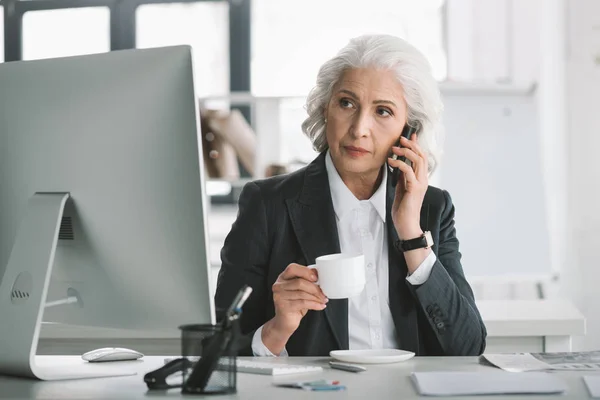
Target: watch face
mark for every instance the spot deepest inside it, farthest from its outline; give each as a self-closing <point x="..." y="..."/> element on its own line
<point x="428" y="239"/>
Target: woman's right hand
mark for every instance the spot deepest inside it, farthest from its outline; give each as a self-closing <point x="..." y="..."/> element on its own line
<point x="294" y="293"/>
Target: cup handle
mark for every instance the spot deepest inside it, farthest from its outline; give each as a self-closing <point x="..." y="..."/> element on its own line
<point x="314" y="266"/>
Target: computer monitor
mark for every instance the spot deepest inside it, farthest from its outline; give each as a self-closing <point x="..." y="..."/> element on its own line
<point x="102" y="200"/>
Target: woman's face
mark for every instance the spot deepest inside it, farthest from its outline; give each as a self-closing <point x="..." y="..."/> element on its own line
<point x="365" y="117"/>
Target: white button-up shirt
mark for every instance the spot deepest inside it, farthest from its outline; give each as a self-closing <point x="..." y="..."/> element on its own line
<point x="362" y="230"/>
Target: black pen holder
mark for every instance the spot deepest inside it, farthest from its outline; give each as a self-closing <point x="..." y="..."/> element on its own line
<point x="195" y="340"/>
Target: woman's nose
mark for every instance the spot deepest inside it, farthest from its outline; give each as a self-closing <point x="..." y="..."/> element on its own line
<point x="362" y="125"/>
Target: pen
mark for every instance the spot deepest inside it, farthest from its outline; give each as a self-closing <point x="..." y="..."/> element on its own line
<point x="320" y="385"/>
<point x="346" y="367"/>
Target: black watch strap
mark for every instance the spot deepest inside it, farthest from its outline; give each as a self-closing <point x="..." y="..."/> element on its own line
<point x="422" y="242"/>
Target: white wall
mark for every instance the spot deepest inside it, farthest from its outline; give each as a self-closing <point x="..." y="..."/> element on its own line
<point x="522" y="42"/>
<point x="493" y="40"/>
<point x="582" y="272"/>
<point x="553" y="129"/>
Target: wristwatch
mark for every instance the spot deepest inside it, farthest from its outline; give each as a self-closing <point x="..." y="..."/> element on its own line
<point x="424" y="241"/>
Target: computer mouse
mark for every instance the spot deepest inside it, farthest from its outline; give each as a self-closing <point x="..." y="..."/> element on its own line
<point x="111" y="354"/>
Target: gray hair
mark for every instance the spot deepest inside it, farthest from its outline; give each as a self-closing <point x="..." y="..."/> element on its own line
<point x="413" y="71"/>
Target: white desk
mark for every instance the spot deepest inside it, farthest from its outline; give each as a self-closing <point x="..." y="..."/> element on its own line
<point x="531" y="325"/>
<point x="379" y="382"/>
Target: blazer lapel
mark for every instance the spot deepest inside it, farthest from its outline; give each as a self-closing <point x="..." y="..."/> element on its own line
<point x="314" y="224"/>
<point x="402" y="303"/>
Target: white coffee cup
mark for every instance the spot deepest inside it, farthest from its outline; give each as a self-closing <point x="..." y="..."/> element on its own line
<point x="340" y="275"/>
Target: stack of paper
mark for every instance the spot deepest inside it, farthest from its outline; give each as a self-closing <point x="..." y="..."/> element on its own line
<point x="563" y="361"/>
<point x="483" y="383"/>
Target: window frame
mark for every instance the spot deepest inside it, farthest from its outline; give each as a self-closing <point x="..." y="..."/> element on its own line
<point x="123" y="26"/>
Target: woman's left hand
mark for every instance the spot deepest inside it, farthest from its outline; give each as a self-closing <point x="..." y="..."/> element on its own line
<point x="411" y="188"/>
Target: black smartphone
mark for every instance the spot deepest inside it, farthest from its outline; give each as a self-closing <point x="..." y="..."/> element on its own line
<point x="407" y="132"/>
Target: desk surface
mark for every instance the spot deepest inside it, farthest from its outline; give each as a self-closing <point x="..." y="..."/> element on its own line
<point x="379" y="382"/>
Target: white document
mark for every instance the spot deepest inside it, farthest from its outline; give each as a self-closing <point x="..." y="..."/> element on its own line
<point x="564" y="361"/>
<point x="485" y="383"/>
<point x="516" y="362"/>
<point x="593" y="385"/>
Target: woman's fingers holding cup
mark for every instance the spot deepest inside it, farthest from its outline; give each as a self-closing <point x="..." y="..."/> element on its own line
<point x="299" y="271"/>
<point x="300" y="285"/>
<point x="300" y="305"/>
<point x="308" y="305"/>
<point x="297" y="295"/>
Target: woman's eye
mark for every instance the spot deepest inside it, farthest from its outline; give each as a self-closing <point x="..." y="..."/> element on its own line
<point x="384" y="112"/>
<point x="345" y="103"/>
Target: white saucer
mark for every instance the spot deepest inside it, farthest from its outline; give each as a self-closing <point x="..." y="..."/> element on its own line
<point x="386" y="356"/>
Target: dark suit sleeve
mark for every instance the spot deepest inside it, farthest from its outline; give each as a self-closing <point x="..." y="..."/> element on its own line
<point x="447" y="298"/>
<point x="244" y="260"/>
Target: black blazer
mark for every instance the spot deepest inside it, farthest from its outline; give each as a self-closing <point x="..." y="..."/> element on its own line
<point x="290" y="219"/>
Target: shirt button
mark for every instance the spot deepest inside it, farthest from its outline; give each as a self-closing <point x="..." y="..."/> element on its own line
<point x="374" y="298"/>
<point x="377" y="336"/>
<point x="370" y="265"/>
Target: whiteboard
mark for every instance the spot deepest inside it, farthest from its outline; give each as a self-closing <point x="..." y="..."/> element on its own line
<point x="492" y="168"/>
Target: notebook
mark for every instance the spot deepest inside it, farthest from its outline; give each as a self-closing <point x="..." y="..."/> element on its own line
<point x="483" y="383"/>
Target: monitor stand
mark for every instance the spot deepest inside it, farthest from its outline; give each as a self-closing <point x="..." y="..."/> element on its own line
<point x="23" y="292"/>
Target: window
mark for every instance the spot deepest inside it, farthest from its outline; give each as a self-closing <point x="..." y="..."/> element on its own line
<point x="204" y="26"/>
<point x="290" y="40"/>
<point x="1" y="33"/>
<point x="65" y="32"/>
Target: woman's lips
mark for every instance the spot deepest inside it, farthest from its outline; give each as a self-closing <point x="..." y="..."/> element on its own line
<point x="354" y="151"/>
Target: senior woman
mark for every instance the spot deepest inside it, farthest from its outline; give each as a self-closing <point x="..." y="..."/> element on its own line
<point x="419" y="299"/>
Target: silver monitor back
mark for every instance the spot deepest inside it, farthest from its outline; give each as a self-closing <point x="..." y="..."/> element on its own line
<point x="118" y="132"/>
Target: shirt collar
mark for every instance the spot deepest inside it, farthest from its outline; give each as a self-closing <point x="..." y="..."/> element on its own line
<point x="344" y="200"/>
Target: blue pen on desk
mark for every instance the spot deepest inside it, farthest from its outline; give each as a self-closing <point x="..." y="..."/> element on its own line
<point x="325" y="388"/>
<point x="323" y="385"/>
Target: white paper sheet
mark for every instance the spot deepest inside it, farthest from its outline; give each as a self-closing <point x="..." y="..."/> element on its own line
<point x="484" y="383"/>
<point x="516" y="362"/>
<point x="593" y="385"/>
